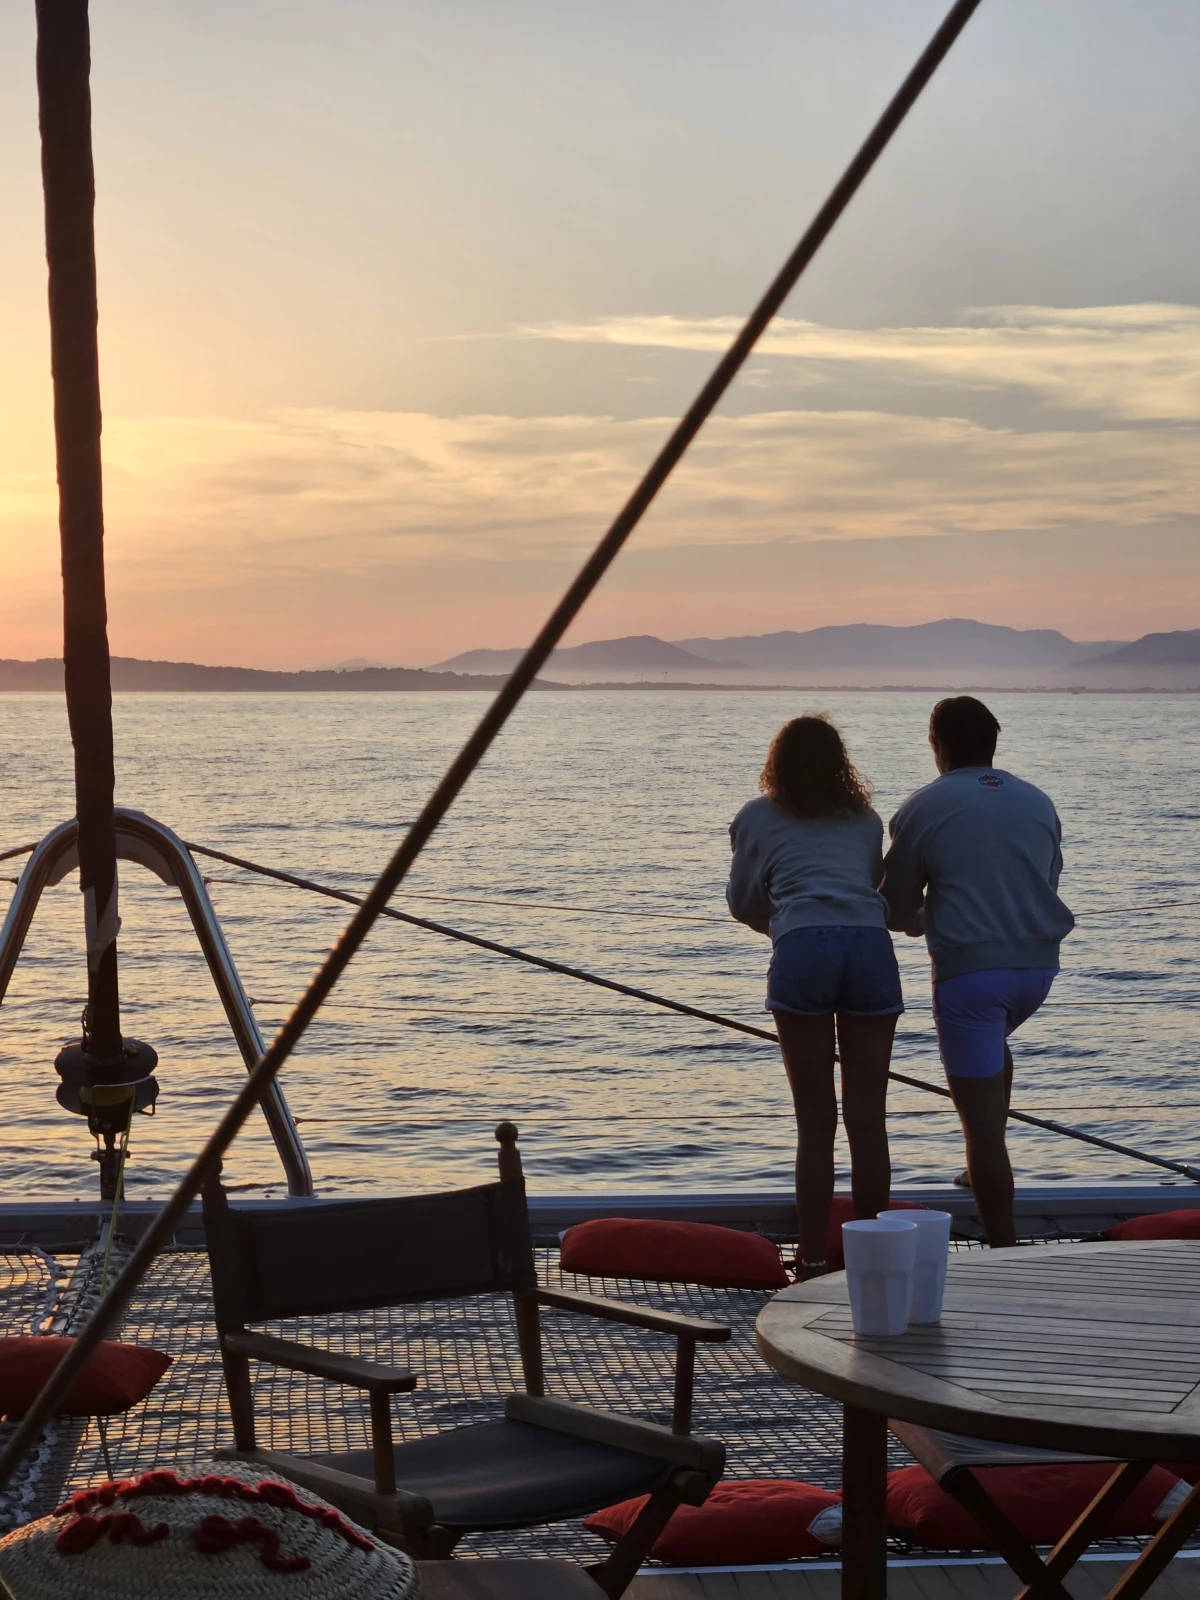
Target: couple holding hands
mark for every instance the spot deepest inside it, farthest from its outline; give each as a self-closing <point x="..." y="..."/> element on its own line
<point x="974" y="864"/>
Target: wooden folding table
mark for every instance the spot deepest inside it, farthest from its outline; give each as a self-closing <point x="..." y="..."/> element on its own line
<point x="1089" y="1347"/>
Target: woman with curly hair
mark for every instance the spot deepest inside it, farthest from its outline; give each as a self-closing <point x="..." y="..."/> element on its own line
<point x="807" y="862"/>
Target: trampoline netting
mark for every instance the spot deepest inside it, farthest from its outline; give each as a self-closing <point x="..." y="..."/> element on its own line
<point x="466" y="1351"/>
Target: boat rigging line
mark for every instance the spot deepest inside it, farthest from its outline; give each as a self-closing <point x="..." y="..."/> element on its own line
<point x="64" y="48"/>
<point x="650" y="998"/>
<point x="420" y="1009"/>
<point x="668" y="916"/>
<point x="626" y="911"/>
<point x="1117" y="911"/>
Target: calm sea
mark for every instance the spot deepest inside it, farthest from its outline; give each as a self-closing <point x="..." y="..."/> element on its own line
<point x="615" y="804"/>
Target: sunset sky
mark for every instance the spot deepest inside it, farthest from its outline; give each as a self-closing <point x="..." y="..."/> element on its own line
<point x="398" y="297"/>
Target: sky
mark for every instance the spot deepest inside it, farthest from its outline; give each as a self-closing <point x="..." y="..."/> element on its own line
<point x="398" y="298"/>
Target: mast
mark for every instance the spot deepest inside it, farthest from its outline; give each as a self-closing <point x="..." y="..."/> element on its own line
<point x="106" y="1078"/>
<point x="65" y="116"/>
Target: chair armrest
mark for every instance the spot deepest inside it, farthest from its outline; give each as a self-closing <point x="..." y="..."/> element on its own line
<point x="330" y="1364"/>
<point x="690" y="1450"/>
<point x="595" y="1305"/>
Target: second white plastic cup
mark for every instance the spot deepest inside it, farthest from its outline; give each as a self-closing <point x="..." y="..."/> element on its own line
<point x="929" y="1268"/>
<point x="880" y="1255"/>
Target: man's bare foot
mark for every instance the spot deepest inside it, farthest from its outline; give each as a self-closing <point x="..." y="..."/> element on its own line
<point x="963" y="1180"/>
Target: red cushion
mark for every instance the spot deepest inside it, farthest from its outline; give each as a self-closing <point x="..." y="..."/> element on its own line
<point x="1159" y="1225"/>
<point x="841" y="1211"/>
<point x="1189" y="1471"/>
<point x="117" y="1376"/>
<point x="680" y="1252"/>
<point x="1042" y="1502"/>
<point x="740" y="1524"/>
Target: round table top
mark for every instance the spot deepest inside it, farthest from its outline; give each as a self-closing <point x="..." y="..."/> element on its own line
<point x="1088" y="1347"/>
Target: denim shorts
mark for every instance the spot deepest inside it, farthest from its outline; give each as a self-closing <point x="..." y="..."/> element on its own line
<point x="977" y="1011"/>
<point x="818" y="970"/>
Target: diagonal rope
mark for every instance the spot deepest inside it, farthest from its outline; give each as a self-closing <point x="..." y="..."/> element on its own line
<point x="1118" y="911"/>
<point x="650" y="998"/>
<point x="641" y="915"/>
<point x="512" y="951"/>
<point x="207" y="1164"/>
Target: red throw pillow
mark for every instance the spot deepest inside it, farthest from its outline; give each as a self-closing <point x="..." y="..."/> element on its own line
<point x="679" y="1252"/>
<point x="740" y="1524"/>
<point x="1159" y="1225"/>
<point x="841" y="1211"/>
<point x="1041" y="1502"/>
<point x="117" y="1376"/>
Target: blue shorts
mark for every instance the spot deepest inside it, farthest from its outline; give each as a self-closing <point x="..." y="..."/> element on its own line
<point x="977" y="1011"/>
<point x="818" y="970"/>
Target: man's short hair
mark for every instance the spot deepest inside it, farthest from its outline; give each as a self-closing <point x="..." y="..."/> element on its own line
<point x="967" y="730"/>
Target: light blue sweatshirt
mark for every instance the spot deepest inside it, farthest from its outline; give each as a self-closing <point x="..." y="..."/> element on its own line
<point x="804" y="872"/>
<point x="980" y="853"/>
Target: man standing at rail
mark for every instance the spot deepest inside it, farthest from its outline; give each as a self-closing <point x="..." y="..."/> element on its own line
<point x="974" y="865"/>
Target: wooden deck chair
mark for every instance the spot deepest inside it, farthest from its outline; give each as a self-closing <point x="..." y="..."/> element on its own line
<point x="951" y="1460"/>
<point x="543" y="1461"/>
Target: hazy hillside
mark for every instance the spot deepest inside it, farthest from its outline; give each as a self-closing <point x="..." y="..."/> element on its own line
<point x="156" y="677"/>
<point x="639" y="653"/>
<point x="1155" y="650"/>
<point x="954" y="642"/>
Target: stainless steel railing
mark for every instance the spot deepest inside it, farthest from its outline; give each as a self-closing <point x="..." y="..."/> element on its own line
<point x="140" y="838"/>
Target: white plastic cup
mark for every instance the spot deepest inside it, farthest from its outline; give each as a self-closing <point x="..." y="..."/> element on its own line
<point x="880" y="1255"/>
<point x="929" y="1269"/>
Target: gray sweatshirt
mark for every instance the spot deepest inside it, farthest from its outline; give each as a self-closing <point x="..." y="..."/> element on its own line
<point x="981" y="853"/>
<point x="804" y="872"/>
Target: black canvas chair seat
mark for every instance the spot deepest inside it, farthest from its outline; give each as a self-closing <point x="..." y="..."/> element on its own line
<point x="547" y="1461"/>
<point x="510" y="1475"/>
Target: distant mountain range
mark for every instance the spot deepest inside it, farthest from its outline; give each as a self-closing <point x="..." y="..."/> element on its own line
<point x="932" y="654"/>
<point x="952" y="643"/>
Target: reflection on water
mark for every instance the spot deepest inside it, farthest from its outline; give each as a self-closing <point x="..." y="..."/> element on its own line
<point x="611" y="801"/>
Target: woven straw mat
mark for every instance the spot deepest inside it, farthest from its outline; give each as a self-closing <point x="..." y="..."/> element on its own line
<point x="204" y="1553"/>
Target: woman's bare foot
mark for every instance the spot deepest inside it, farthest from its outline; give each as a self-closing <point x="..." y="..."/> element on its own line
<point x="810" y="1269"/>
<point x="963" y="1180"/>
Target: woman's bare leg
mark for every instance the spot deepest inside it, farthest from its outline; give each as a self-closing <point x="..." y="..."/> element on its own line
<point x="865" y="1044"/>
<point x="807" y="1047"/>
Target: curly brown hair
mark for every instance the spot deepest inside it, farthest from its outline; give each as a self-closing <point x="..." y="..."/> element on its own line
<point x="808" y="772"/>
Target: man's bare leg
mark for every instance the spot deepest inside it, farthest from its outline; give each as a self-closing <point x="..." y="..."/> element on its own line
<point x="982" y="1105"/>
<point x="964" y="1178"/>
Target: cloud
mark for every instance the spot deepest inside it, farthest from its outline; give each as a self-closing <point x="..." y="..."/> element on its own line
<point x="337" y="489"/>
<point x="250" y="524"/>
<point x="1134" y="362"/>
